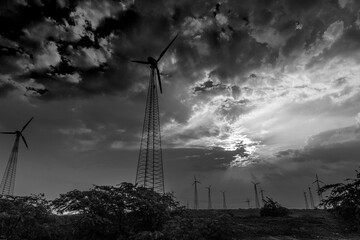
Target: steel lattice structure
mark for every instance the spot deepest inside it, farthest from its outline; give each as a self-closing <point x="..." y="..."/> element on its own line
<point x="149" y="171"/>
<point x="8" y="180"/>
<point x="150" y="165"/>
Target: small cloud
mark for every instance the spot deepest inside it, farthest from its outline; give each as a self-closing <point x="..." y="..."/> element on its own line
<point x="357" y="119"/>
<point x="342" y="3"/>
<point x="117" y="145"/>
<point x="75" y="131"/>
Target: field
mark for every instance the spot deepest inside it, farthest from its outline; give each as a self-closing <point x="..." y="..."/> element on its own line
<point x="301" y="224"/>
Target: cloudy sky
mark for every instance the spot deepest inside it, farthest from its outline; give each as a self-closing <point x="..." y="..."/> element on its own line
<point x="263" y="91"/>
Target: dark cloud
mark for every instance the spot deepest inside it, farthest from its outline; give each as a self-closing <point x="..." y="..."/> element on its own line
<point x="212" y="36"/>
<point x="334" y="146"/>
<point x="208" y="86"/>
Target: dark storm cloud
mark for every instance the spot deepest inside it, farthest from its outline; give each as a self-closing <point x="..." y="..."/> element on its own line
<point x="334" y="146"/>
<point x="204" y="160"/>
<point x="208" y="86"/>
<point x="65" y="49"/>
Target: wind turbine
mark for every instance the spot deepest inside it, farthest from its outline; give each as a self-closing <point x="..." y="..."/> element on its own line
<point x="248" y="202"/>
<point x="257" y="203"/>
<point x="209" y="197"/>
<point x="317" y="181"/>
<point x="224" y="200"/>
<point x="311" y="199"/>
<point x="8" y="180"/>
<point x="306" y="201"/>
<point x="262" y="196"/>
<point x="196" y="200"/>
<point x="150" y="166"/>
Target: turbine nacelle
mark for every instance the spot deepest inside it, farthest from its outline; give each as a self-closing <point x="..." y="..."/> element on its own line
<point x="154" y="62"/>
<point x="19" y="133"/>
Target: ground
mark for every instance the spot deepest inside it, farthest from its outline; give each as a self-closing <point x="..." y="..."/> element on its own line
<point x="299" y="225"/>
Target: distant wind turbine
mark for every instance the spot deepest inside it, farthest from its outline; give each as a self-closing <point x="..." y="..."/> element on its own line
<point x="224" y="200"/>
<point x="257" y="203"/>
<point x="209" y="197"/>
<point x="306" y="201"/>
<point x="196" y="199"/>
<point x="311" y="199"/>
<point x="317" y="181"/>
<point x="248" y="202"/>
<point x="262" y="196"/>
<point x="8" y="180"/>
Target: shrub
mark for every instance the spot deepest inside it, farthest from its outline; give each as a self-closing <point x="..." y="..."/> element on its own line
<point x="125" y="211"/>
<point x="344" y="201"/>
<point x="26" y="217"/>
<point x="272" y="208"/>
<point x="212" y="227"/>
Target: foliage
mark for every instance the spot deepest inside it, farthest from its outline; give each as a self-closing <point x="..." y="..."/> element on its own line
<point x="272" y="208"/>
<point x="26" y="218"/>
<point x="116" y="212"/>
<point x="344" y="201"/>
<point x="211" y="227"/>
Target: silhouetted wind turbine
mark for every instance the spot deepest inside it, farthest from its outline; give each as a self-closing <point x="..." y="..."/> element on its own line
<point x="262" y="196"/>
<point x="196" y="200"/>
<point x="257" y="203"/>
<point x="209" y="197"/>
<point x="248" y="202"/>
<point x="224" y="200"/>
<point x="154" y="63"/>
<point x="311" y="199"/>
<point x="149" y="171"/>
<point x="317" y="181"/>
<point x="306" y="201"/>
<point x="8" y="180"/>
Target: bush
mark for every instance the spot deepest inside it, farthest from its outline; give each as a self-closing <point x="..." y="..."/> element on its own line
<point x="272" y="208"/>
<point x="344" y="201"/>
<point x="27" y="217"/>
<point x="212" y="227"/>
<point x="116" y="212"/>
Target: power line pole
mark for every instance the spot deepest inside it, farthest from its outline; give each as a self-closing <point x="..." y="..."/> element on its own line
<point x="257" y="203"/>
<point x="224" y="200"/>
<point x="209" y="197"/>
<point x="196" y="200"/>
<point x="306" y="201"/>
<point x="311" y="199"/>
<point x="187" y="205"/>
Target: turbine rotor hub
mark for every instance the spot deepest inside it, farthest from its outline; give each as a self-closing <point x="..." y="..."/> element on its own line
<point x="152" y="61"/>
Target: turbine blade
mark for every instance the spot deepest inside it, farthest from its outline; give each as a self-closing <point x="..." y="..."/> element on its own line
<point x="164" y="51"/>
<point x="24" y="141"/>
<point x="26" y="124"/>
<point x="158" y="74"/>
<point x="7" y="132"/>
<point x="141" y="62"/>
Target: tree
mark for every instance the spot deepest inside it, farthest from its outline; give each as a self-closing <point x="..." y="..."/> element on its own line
<point x="344" y="201"/>
<point x="26" y="217"/>
<point x="272" y="208"/>
<point x="115" y="212"/>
